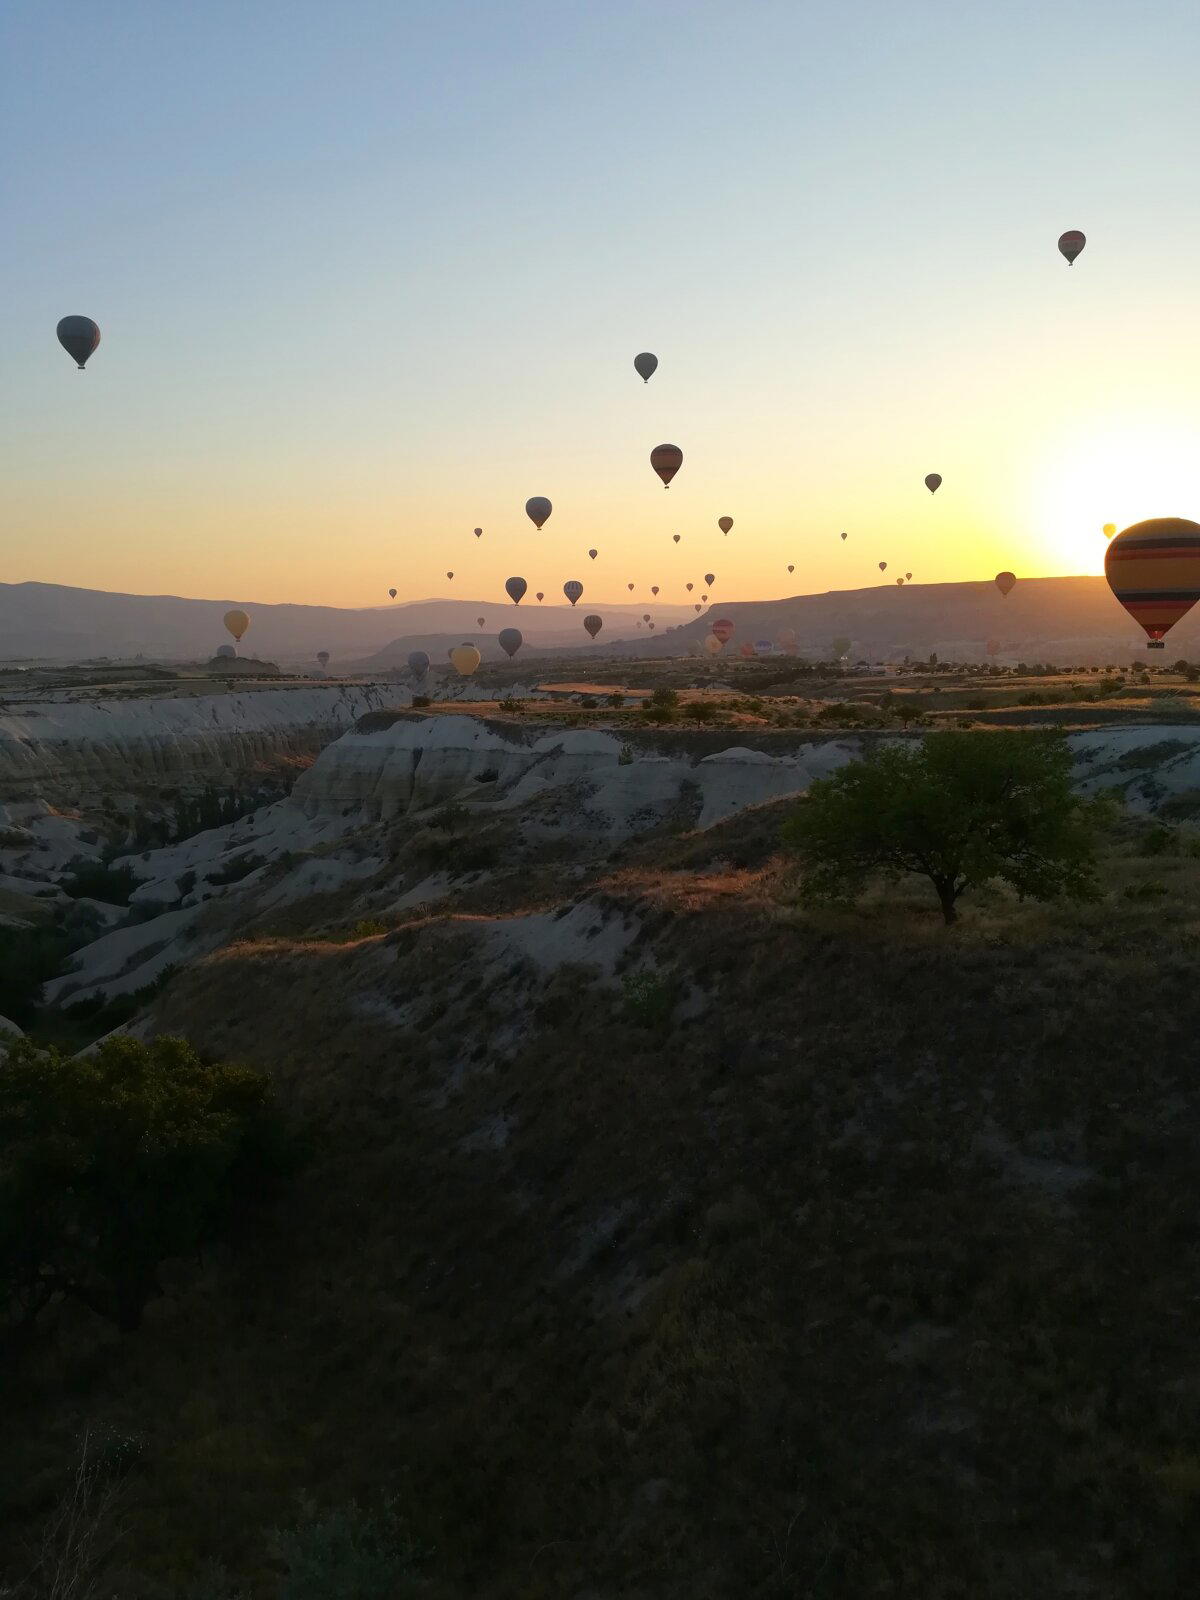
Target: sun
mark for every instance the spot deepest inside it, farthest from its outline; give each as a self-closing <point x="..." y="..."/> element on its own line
<point x="1124" y="474"/>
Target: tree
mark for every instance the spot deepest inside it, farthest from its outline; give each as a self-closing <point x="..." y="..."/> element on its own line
<point x="958" y="809"/>
<point x="114" y="1162"/>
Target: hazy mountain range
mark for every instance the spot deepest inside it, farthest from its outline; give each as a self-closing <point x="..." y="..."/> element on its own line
<point x="1068" y="619"/>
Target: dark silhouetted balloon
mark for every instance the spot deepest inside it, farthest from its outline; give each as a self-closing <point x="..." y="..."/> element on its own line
<point x="1153" y="568"/>
<point x="392" y="592"/>
<point x="593" y="624"/>
<point x="645" y="616"/>
<point x="449" y="574"/>
<point x="510" y="640"/>
<point x="675" y="538"/>
<point x="689" y="587"/>
<point x="79" y="337"/>
<point x="1005" y="581"/>
<point x="539" y="595"/>
<point x="479" y="622"/>
<point x="479" y="533"/>
<point x="572" y="589"/>
<point x="629" y="586"/>
<point x="791" y="569"/>
<point x="236" y="623"/>
<point x="645" y="365"/>
<point x="538" y="509"/>
<point x="723" y="629"/>
<point x="710" y="578"/>
<point x="724" y="523"/>
<point x="933" y="482"/>
<point x="666" y="459"/>
<point x="654" y="589"/>
<point x="883" y="566"/>
<point x="697" y="607"/>
<point x="1070" y="244"/>
<point x="908" y="577"/>
<point x="323" y="657"/>
<point x="593" y="554"/>
<point x="844" y="536"/>
<point x="515" y="588"/>
<point x="418" y="661"/>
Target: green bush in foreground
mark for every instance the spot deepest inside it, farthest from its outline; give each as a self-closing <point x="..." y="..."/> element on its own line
<point x="112" y="1163"/>
<point x="958" y="809"/>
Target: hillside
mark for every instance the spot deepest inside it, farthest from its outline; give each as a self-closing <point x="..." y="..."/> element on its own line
<point x="659" y="1237"/>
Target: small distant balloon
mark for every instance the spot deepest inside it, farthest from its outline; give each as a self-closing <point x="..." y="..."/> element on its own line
<point x="465" y="658"/>
<point x="510" y="640"/>
<point x="651" y="627"/>
<point x="666" y="459"/>
<point x="791" y="569"/>
<point x="704" y="597"/>
<point x="539" y="595"/>
<point x="515" y="589"/>
<point x="450" y="575"/>
<point x="538" y="509"/>
<point x="883" y="566"/>
<point x="593" y="554"/>
<point x="392" y="592"/>
<point x="645" y="616"/>
<point x="479" y="622"/>
<point x="323" y="657"/>
<point x="1070" y="244"/>
<point x="697" y="607"/>
<point x="629" y="586"/>
<point x="418" y="662"/>
<point x="675" y="538"/>
<point x="572" y="589"/>
<point x="654" y="588"/>
<point x="844" y="536"/>
<point x="710" y="578"/>
<point x="1005" y="581"/>
<point x="593" y="624"/>
<point x="236" y="623"/>
<point x="79" y="337"/>
<point x="1109" y="529"/>
<point x="479" y="533"/>
<point x="908" y="577"/>
<point x="899" y="583"/>
<point x="712" y="644"/>
<point x="724" y="523"/>
<point x="933" y="482"/>
<point x="763" y="647"/>
<point x="645" y="365"/>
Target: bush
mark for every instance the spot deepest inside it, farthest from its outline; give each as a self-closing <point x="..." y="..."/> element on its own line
<point x="420" y="701"/>
<point x="92" y="880"/>
<point x="349" y="1554"/>
<point x="29" y="957"/>
<point x="649" y="999"/>
<point x="958" y="809"/>
<point x="702" y="711"/>
<point x="234" y="871"/>
<point x="112" y="1163"/>
<point x="664" y="698"/>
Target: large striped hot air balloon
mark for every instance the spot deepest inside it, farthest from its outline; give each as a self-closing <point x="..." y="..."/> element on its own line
<point x="723" y="629"/>
<point x="666" y="459"/>
<point x="1070" y="244"/>
<point x="1153" y="568"/>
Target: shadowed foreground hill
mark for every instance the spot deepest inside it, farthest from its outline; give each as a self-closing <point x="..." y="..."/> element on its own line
<point x="670" y="1241"/>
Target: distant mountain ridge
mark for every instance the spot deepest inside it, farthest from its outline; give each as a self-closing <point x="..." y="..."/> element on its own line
<point x="1054" y="619"/>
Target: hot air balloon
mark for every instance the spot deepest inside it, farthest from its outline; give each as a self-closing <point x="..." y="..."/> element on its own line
<point x="763" y="647"/>
<point x="748" y="650"/>
<point x="629" y="586"/>
<point x="572" y="590"/>
<point x="593" y="624"/>
<point x="479" y="622"/>
<point x="654" y="588"/>
<point x="450" y="575"/>
<point x="593" y="554"/>
<point x="465" y="658"/>
<point x="666" y="459"/>
<point x="724" y="523"/>
<point x="236" y="623"/>
<point x="1109" y="529"/>
<point x="645" y="616"/>
<point x="1005" y="581"/>
<point x="899" y="583"/>
<point x="538" y="509"/>
<point x="392" y="592"/>
<point x="637" y="624"/>
<point x="844" y="536"/>
<point x="675" y="538"/>
<point x="710" y="578"/>
<point x="933" y="482"/>
<point x="651" y="627"/>
<point x="690" y="587"/>
<point x="1153" y="568"/>
<point x="908" y="577"/>
<point x="786" y="639"/>
<point x="323" y="658"/>
<point x="883" y="566"/>
<point x="1070" y="244"/>
<point x="225" y="652"/>
<point x="645" y="365"/>
<point x="791" y="569"/>
<point x="704" y="597"/>
<point x="479" y="533"/>
<point x="539" y="595"/>
<point x="723" y="629"/>
<point x="697" y="607"/>
<point x="713" y="645"/>
<point x="515" y="589"/>
<point x="510" y="641"/>
<point x="79" y="337"/>
<point x="419" y="663"/>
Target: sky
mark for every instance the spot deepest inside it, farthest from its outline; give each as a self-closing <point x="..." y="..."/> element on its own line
<point x="370" y="275"/>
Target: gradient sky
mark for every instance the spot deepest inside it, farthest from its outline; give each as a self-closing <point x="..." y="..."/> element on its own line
<point x="370" y="275"/>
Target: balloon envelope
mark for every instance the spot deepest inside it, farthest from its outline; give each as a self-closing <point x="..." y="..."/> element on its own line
<point x="1153" y="568"/>
<point x="465" y="658"/>
<point x="540" y="595"/>
<point x="791" y="569"/>
<point x="79" y="337"/>
<point x="645" y="365"/>
<point x="593" y="624"/>
<point x="666" y="459"/>
<point x="479" y="622"/>
<point x="515" y="588"/>
<point x="537" y="509"/>
<point x="710" y="578"/>
<point x="449" y="574"/>
<point x="323" y="657"/>
<point x="392" y="592"/>
<point x="236" y="623"/>
<point x="675" y="537"/>
<point x="933" y="482"/>
<point x="479" y="533"/>
<point x="690" y="587"/>
<point x="723" y="629"/>
<point x="844" y="536"/>
<point x="713" y="645"/>
<point x="1109" y="529"/>
<point x="653" y="588"/>
<point x="510" y="640"/>
<point x="1005" y="581"/>
<point x="572" y="589"/>
<point x="883" y="566"/>
<point x="1070" y="244"/>
<point x="418" y="660"/>
<point x="763" y="647"/>
<point x="724" y="523"/>
<point x="593" y="554"/>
